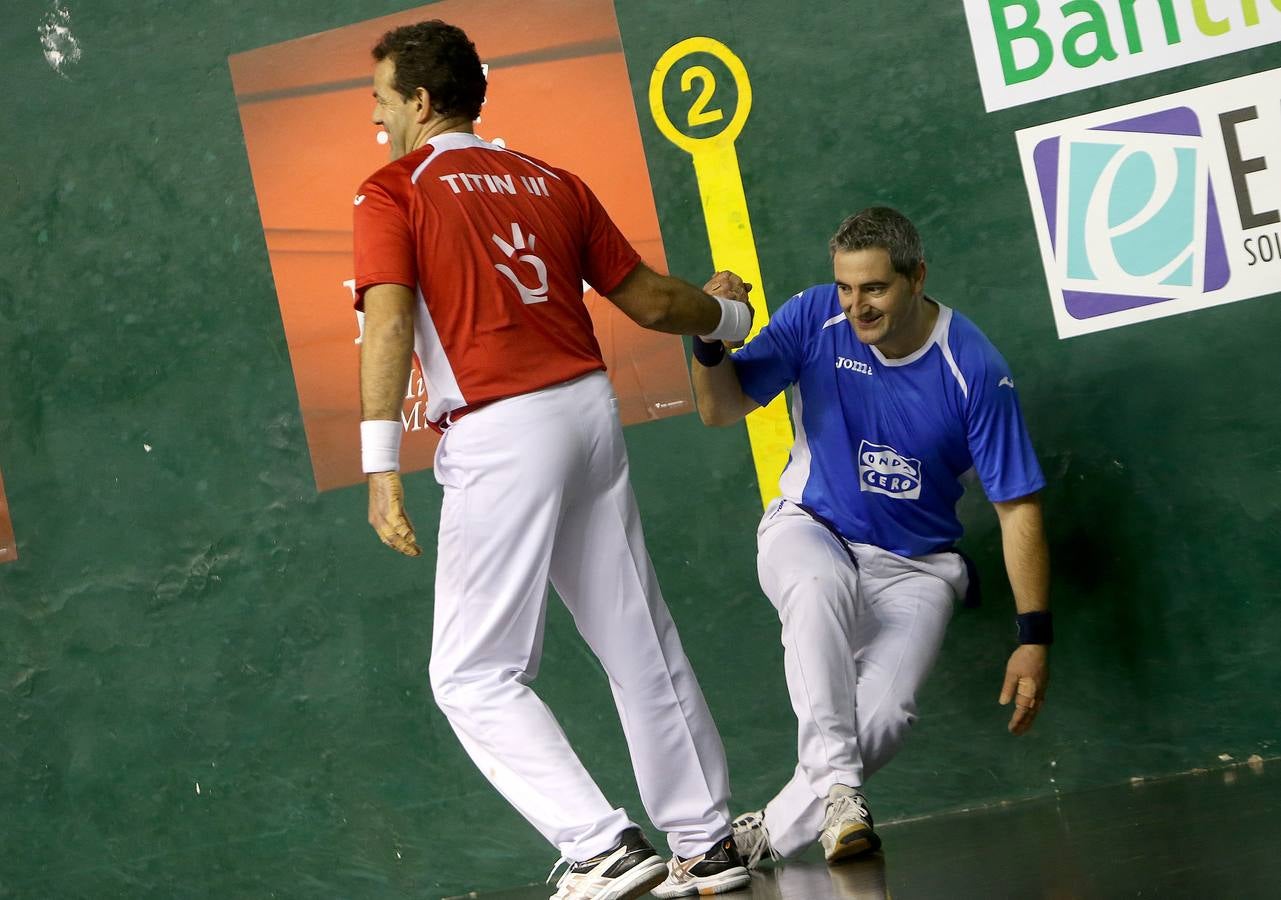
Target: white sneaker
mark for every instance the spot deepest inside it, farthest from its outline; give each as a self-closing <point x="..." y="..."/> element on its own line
<point x="628" y="871"/>
<point x="847" y="826"/>
<point x="752" y="839"/>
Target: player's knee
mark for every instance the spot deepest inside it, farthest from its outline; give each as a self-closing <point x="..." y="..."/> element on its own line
<point x="890" y="722"/>
<point x="450" y="689"/>
<point x="445" y="691"/>
<point x="456" y="691"/>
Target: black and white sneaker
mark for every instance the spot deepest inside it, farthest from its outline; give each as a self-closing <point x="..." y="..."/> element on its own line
<point x="628" y="871"/>
<point x="718" y="870"/>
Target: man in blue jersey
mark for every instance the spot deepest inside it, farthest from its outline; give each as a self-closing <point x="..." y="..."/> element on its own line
<point x="894" y="398"/>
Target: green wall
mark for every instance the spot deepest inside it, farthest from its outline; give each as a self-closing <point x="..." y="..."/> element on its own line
<point x="197" y="614"/>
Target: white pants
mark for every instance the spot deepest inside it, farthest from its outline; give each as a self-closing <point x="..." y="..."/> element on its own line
<point x="536" y="490"/>
<point x="858" y="643"/>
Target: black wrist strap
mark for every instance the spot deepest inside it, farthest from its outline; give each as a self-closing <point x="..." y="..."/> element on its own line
<point x="708" y="354"/>
<point x="1035" y="627"/>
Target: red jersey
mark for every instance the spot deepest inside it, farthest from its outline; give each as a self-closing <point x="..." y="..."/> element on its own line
<point x="498" y="246"/>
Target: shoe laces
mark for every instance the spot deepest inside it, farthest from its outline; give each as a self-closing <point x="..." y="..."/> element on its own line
<point x="852" y="804"/>
<point x="582" y="885"/>
<point x="552" y="874"/>
<point x="572" y="885"/>
<point x="751" y="827"/>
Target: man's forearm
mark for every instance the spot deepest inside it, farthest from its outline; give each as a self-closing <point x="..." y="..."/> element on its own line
<point x="718" y="394"/>
<point x="667" y="304"/>
<point x="688" y="310"/>
<point x="1027" y="554"/>
<point x="386" y="352"/>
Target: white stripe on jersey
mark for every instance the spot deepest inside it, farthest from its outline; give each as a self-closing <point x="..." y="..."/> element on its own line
<point x="443" y="392"/>
<point x="443" y="144"/>
<point x="792" y="483"/>
<point x="945" y="312"/>
<point x="528" y="160"/>
<point x="462" y="140"/>
<point x="937" y="336"/>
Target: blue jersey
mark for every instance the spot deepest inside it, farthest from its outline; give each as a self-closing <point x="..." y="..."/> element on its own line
<point x="881" y="444"/>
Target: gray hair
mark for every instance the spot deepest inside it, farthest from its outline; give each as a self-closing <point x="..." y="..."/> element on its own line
<point x="889" y="229"/>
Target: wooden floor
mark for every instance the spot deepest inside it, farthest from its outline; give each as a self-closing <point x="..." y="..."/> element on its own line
<point x="1209" y="835"/>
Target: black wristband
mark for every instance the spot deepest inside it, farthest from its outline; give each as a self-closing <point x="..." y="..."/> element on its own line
<point x="1035" y="627"/>
<point x="708" y="353"/>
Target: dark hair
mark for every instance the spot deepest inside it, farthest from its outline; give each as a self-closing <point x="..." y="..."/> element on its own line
<point x="438" y="57"/>
<point x="889" y="229"/>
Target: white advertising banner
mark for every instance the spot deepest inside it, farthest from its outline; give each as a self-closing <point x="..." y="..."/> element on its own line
<point x="1159" y="207"/>
<point x="1028" y="50"/>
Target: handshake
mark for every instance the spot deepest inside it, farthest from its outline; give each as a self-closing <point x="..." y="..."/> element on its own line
<point x="736" y="310"/>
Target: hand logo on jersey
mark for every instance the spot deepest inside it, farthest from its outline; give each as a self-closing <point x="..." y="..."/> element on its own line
<point x="527" y="295"/>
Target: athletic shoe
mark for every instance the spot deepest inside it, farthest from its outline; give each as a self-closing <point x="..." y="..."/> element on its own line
<point x="751" y="838"/>
<point x="628" y="871"/>
<point x="718" y="870"/>
<point x="847" y="826"/>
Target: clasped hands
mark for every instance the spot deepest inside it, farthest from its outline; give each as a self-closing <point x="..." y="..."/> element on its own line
<point x="727" y="284"/>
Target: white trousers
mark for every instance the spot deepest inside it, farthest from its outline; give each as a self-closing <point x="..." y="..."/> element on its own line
<point x="536" y="490"/>
<point x="858" y="644"/>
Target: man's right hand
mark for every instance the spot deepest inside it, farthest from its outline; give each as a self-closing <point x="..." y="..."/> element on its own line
<point x="387" y="513"/>
<point x="728" y="284"/>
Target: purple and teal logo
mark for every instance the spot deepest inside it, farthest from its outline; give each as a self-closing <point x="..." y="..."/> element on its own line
<point x="1131" y="213"/>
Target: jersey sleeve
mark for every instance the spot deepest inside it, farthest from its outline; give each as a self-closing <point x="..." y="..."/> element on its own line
<point x="772" y="360"/>
<point x="608" y="257"/>
<point x="999" y="443"/>
<point x="383" y="242"/>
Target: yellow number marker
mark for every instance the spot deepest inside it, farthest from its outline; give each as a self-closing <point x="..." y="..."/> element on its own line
<point x="729" y="229"/>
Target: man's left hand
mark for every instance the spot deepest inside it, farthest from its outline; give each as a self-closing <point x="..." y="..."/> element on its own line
<point x="387" y="513"/>
<point x="1026" y="676"/>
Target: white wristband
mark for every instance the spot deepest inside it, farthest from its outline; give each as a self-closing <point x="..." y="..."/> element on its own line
<point x="735" y="322"/>
<point x="380" y="446"/>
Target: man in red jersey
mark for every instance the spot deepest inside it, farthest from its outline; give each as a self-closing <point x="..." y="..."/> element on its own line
<point x="473" y="256"/>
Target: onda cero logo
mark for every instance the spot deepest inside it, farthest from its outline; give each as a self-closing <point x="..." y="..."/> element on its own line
<point x="883" y="470"/>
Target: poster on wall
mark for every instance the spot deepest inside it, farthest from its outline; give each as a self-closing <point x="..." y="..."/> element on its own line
<point x="1160" y="207"/>
<point x="8" y="545"/>
<point x="558" y="90"/>
<point x="1027" y="50"/>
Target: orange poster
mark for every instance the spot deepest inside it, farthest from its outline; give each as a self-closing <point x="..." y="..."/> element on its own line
<point x="8" y="546"/>
<point x="558" y="90"/>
